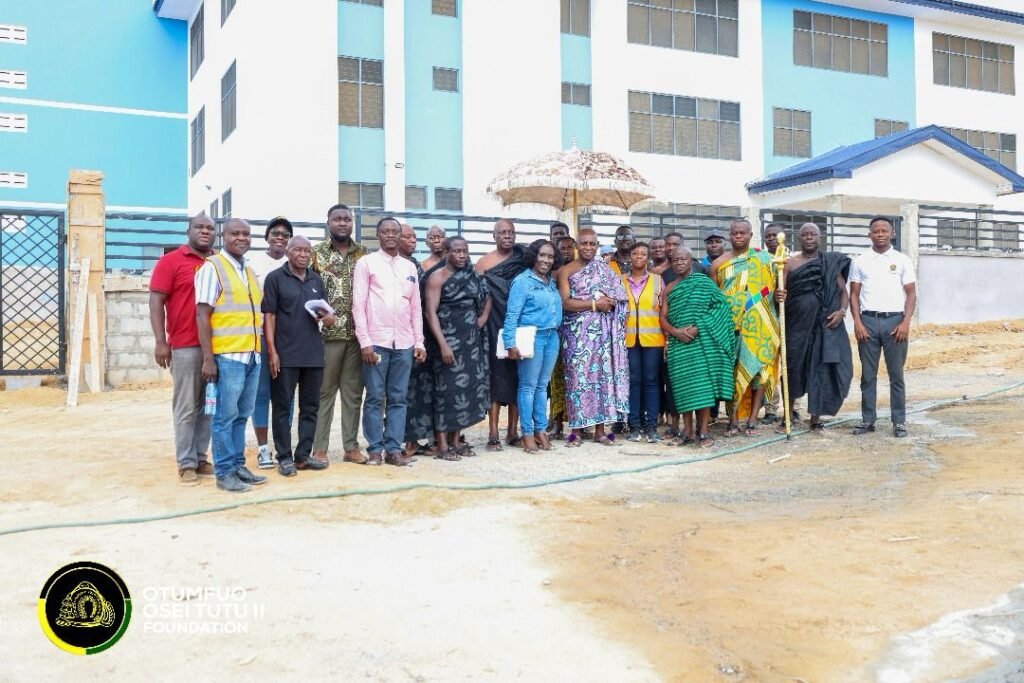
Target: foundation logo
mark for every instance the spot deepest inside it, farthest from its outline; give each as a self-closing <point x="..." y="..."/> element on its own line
<point x="84" y="608"/>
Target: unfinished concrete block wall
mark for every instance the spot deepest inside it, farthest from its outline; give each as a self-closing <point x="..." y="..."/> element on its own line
<point x="129" y="337"/>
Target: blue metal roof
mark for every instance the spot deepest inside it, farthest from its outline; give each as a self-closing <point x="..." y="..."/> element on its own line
<point x="969" y="9"/>
<point x="843" y="161"/>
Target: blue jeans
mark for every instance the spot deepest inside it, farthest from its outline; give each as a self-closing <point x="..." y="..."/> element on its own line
<point x="534" y="376"/>
<point x="261" y="413"/>
<point x="387" y="381"/>
<point x="644" y="386"/>
<point x="236" y="397"/>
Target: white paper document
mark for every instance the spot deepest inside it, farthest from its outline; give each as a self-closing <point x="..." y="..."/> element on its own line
<point x="525" y="338"/>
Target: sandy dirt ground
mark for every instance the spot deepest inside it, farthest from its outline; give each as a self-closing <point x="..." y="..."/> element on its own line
<point x="822" y="558"/>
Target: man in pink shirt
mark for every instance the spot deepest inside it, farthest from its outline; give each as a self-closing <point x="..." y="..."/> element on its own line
<point x="389" y="326"/>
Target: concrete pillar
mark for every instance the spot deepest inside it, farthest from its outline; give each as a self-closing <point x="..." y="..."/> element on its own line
<point x="86" y="238"/>
<point x="394" y="106"/>
<point x="910" y="243"/>
<point x="753" y="214"/>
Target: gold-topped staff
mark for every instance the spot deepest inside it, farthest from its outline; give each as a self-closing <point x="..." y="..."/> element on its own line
<point x="780" y="264"/>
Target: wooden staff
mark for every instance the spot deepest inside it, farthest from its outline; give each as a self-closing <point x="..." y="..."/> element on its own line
<point x="780" y="263"/>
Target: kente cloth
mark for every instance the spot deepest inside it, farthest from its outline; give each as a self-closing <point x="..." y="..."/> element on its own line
<point x="700" y="371"/>
<point x="819" y="360"/>
<point x="419" y="400"/>
<point x="594" y="350"/>
<point x="504" y="373"/>
<point x="557" y="390"/>
<point x="748" y="282"/>
<point x="461" y="391"/>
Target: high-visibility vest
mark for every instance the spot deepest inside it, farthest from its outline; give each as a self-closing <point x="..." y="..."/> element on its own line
<point x="644" y="323"/>
<point x="236" y="314"/>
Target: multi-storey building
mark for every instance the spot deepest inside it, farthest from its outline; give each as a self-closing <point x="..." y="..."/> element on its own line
<point x="92" y="84"/>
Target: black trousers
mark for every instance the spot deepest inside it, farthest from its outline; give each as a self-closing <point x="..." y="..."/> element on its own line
<point x="282" y="388"/>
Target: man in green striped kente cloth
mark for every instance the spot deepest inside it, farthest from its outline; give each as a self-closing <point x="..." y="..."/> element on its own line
<point x="701" y="351"/>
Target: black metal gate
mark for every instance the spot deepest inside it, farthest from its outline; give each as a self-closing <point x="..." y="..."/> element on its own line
<point x="845" y="232"/>
<point x="31" y="292"/>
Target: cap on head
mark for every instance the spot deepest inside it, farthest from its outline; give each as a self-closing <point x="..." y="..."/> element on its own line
<point x="280" y="220"/>
<point x="714" y="234"/>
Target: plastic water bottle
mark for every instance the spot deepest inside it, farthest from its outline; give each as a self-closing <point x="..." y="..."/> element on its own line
<point x="211" y="398"/>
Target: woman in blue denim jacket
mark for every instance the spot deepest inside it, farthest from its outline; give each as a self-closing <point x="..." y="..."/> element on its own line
<point x="534" y="301"/>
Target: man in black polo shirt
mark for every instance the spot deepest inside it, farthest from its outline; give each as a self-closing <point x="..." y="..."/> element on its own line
<point x="295" y="351"/>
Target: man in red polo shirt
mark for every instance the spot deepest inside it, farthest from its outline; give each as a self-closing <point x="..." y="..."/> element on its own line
<point x="172" y="313"/>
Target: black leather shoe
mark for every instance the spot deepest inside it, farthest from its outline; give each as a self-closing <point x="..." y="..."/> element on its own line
<point x="899" y="430"/>
<point x="863" y="428"/>
<point x="397" y="459"/>
<point x="232" y="483"/>
<point x="310" y="464"/>
<point x="374" y="459"/>
<point x="248" y="477"/>
<point x="286" y="467"/>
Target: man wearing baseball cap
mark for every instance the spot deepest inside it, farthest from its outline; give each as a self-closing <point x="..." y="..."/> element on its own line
<point x="714" y="246"/>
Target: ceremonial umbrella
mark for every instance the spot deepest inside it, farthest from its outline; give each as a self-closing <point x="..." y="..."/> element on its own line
<point x="570" y="179"/>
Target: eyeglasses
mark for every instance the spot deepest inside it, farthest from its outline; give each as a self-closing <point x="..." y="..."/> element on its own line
<point x="279" y="233"/>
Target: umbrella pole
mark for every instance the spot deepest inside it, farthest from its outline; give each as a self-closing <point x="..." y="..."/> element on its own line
<point x="575" y="217"/>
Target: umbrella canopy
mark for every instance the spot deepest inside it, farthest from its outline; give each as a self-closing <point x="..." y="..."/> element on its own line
<point x="572" y="179"/>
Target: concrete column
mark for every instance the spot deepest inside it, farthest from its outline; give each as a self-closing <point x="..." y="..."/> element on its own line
<point x="394" y="106"/>
<point x="86" y="235"/>
<point x="910" y="244"/>
<point x="753" y="214"/>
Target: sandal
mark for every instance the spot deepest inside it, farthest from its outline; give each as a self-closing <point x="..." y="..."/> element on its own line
<point x="466" y="451"/>
<point x="515" y="441"/>
<point x="752" y="429"/>
<point x="425" y="449"/>
<point x="606" y="440"/>
<point x="705" y="440"/>
<point x="681" y="440"/>
<point x="732" y="430"/>
<point x="449" y="455"/>
<point x="817" y="426"/>
<point x="572" y="441"/>
<point x="494" y="444"/>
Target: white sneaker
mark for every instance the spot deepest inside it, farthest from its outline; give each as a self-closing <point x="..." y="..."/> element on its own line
<point x="265" y="459"/>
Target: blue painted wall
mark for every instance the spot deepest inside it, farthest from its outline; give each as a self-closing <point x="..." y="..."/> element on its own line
<point x="843" y="106"/>
<point x="577" y="120"/>
<point x="433" y="120"/>
<point x="113" y="53"/>
<point x="361" y="150"/>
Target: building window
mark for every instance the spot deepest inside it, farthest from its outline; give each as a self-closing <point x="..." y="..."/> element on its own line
<point x="18" y="80"/>
<point x="685" y="126"/>
<point x="362" y="195"/>
<point x="196" y="47"/>
<point x="703" y="216"/>
<point x="214" y="210"/>
<point x="13" y="34"/>
<point x="792" y="132"/>
<point x="225" y="9"/>
<point x="415" y="197"/>
<point x="13" y="179"/>
<point x="446" y="80"/>
<point x="974" y="64"/>
<point x="885" y="127"/>
<point x="1000" y="146"/>
<point x="199" y="141"/>
<point x="360" y="92"/>
<point x="447" y="199"/>
<point x="225" y="204"/>
<point x="13" y="123"/>
<point x="228" y="103"/>
<point x="697" y="26"/>
<point x="576" y="93"/>
<point x="375" y="3"/>
<point x="840" y="43"/>
<point x="444" y="8"/>
<point x="576" y="17"/>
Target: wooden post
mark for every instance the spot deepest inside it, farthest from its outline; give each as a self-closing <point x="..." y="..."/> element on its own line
<point x="86" y="220"/>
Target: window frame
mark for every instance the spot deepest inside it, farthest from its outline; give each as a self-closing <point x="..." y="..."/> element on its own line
<point x="576" y="92"/>
<point x="686" y="22"/>
<point x="893" y="126"/>
<point x="225" y="203"/>
<point x="568" y="21"/>
<point x="229" y="102"/>
<point x="793" y="129"/>
<point x="360" y="83"/>
<point x="416" y="188"/>
<point x="997" y="63"/>
<point x="655" y="101"/>
<point x="361" y="192"/>
<point x="437" y="196"/>
<point x="197" y="141"/>
<point x="435" y="4"/>
<point x="443" y="71"/>
<point x="816" y="32"/>
<point x="197" y="41"/>
<point x="965" y="134"/>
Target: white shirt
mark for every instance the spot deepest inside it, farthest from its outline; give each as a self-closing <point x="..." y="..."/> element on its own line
<point x="208" y="289"/>
<point x="262" y="263"/>
<point x="882" y="277"/>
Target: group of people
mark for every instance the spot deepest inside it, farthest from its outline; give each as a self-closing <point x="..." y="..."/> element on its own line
<point x="421" y="351"/>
